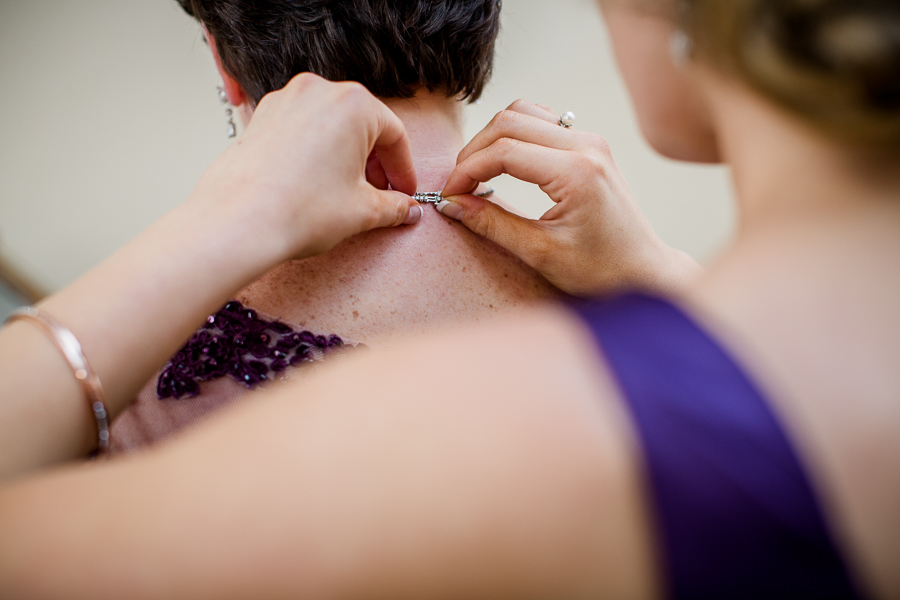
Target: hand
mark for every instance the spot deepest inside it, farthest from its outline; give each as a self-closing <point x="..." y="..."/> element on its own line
<point x="596" y="239"/>
<point x="300" y="174"/>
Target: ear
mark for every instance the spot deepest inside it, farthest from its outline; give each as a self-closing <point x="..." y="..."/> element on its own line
<point x="233" y="90"/>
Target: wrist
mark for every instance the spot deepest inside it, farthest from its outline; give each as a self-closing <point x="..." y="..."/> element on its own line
<point x="675" y="269"/>
<point x="231" y="237"/>
<point x="658" y="269"/>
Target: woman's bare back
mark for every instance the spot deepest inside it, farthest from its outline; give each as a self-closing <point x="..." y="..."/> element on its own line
<point x="369" y="289"/>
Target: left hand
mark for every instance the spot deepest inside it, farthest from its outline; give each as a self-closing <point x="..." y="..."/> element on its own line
<point x="596" y="239"/>
<point x="301" y="174"/>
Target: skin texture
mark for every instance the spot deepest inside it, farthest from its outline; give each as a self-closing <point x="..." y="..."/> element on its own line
<point x="480" y="464"/>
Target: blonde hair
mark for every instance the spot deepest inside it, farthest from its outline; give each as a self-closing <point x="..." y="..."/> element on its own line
<point x="834" y="62"/>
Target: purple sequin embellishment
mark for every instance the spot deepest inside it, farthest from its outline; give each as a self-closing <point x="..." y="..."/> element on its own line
<point x="236" y="342"/>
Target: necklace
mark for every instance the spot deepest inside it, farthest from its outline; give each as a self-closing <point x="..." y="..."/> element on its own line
<point x="436" y="198"/>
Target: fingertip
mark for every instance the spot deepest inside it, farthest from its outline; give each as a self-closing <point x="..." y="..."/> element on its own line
<point x="416" y="212"/>
<point x="451" y="209"/>
<point x="467" y="200"/>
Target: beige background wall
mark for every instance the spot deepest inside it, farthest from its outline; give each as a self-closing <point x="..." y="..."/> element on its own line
<point x="108" y="116"/>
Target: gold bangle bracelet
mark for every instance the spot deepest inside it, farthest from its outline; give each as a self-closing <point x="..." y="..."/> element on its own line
<point x="68" y="345"/>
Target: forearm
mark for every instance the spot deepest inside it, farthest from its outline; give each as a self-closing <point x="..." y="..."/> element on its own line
<point x="130" y="313"/>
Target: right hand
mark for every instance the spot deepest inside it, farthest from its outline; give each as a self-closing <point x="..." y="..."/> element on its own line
<point x="596" y="239"/>
<point x="301" y="174"/>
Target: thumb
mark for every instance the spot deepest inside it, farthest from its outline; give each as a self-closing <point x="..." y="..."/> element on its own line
<point x="523" y="237"/>
<point x="388" y="208"/>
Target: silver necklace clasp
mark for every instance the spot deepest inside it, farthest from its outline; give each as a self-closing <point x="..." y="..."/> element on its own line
<point x="436" y="198"/>
<point x="428" y="197"/>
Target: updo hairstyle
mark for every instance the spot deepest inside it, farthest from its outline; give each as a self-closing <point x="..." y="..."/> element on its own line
<point x="393" y="47"/>
<point x="834" y="62"/>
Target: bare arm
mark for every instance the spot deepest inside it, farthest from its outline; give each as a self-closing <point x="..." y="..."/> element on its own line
<point x="126" y="318"/>
<point x="269" y="198"/>
<point x="384" y="476"/>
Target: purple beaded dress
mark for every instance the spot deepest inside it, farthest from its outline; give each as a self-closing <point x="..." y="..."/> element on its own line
<point x="236" y="351"/>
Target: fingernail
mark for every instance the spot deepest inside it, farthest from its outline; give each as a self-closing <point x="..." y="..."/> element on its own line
<point x="414" y="215"/>
<point x="450" y="209"/>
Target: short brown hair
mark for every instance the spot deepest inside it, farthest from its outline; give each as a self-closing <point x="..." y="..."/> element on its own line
<point x="834" y="62"/>
<point x="393" y="47"/>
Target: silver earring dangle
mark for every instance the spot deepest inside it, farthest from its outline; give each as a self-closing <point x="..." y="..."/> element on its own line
<point x="681" y="46"/>
<point x="231" y="128"/>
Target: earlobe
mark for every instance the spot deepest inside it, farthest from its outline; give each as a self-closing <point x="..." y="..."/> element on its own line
<point x="233" y="90"/>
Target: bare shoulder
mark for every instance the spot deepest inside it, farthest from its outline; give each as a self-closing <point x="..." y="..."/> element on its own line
<point x="485" y="462"/>
<point x="826" y="355"/>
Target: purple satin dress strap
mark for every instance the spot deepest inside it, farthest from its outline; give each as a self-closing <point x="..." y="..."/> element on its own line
<point x="736" y="512"/>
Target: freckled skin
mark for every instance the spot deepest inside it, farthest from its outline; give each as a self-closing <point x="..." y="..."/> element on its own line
<point x="391" y="282"/>
<point x="408" y="279"/>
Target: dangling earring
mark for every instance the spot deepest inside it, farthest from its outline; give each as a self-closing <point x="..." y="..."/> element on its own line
<point x="231" y="128"/>
<point x="681" y="47"/>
